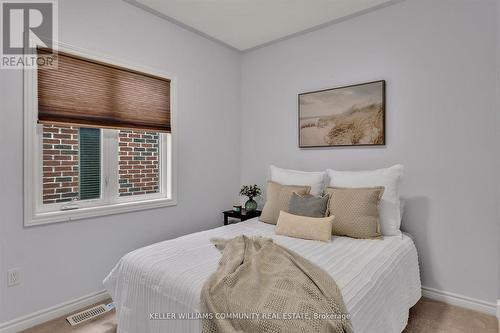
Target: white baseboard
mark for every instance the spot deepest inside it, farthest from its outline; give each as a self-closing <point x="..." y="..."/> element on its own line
<point x="53" y="312"/>
<point x="460" y="300"/>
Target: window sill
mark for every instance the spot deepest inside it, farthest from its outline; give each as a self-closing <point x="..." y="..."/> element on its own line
<point x="83" y="213"/>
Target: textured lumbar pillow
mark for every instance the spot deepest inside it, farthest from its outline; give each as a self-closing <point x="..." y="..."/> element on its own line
<point x="295" y="177"/>
<point x="390" y="205"/>
<point x="355" y="210"/>
<point x="277" y="199"/>
<point x="315" y="228"/>
<point x="308" y="205"/>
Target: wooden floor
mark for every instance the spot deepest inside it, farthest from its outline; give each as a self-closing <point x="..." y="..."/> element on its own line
<point x="427" y="316"/>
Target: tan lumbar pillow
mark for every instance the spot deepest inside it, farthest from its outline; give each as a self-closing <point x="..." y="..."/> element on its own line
<point x="278" y="198"/>
<point x="305" y="227"/>
<point x="356" y="211"/>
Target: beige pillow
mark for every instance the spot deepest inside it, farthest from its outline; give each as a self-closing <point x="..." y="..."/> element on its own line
<point x="355" y="210"/>
<point x="316" y="228"/>
<point x="277" y="199"/>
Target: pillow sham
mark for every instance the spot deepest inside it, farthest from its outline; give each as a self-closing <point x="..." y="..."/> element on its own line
<point x="294" y="177"/>
<point x="315" y="228"/>
<point x="308" y="205"/>
<point x="389" y="178"/>
<point x="355" y="210"/>
<point x="277" y="199"/>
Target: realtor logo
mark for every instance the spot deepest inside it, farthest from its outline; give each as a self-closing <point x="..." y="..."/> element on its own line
<point x="26" y="26"/>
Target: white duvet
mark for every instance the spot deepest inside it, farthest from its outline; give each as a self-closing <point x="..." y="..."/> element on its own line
<point x="379" y="279"/>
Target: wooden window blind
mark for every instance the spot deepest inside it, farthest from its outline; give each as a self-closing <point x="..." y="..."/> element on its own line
<point x="87" y="93"/>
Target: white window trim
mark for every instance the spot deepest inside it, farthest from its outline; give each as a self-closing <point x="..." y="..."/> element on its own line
<point x="33" y="153"/>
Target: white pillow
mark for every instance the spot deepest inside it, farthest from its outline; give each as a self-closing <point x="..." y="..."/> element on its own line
<point x="294" y="177"/>
<point x="390" y="206"/>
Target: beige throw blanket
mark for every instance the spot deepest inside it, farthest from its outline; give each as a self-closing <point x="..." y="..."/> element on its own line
<point x="262" y="287"/>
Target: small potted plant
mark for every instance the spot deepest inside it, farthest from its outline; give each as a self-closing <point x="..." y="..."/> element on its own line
<point x="250" y="191"/>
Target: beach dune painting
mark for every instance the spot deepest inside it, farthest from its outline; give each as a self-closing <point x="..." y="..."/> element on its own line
<point x="346" y="116"/>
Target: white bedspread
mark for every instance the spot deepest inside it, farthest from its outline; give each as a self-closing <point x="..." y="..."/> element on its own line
<point x="379" y="279"/>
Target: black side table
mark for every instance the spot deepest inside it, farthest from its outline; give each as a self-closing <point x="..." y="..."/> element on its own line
<point x="242" y="216"/>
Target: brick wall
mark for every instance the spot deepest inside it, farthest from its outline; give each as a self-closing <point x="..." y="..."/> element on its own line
<point x="60" y="164"/>
<point x="138" y="162"/>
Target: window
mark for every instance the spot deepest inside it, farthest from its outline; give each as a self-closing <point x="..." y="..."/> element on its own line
<point x="61" y="164"/>
<point x="89" y="154"/>
<point x="138" y="163"/>
<point x="71" y="164"/>
<point x="75" y="173"/>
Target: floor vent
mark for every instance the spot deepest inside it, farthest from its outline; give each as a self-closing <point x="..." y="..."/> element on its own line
<point x="88" y="314"/>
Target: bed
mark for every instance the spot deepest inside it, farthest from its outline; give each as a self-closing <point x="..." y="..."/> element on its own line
<point x="379" y="279"/>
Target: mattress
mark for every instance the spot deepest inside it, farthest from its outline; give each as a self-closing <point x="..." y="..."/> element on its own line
<point x="154" y="286"/>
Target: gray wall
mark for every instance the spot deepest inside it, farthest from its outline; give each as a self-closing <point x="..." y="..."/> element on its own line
<point x="438" y="59"/>
<point x="68" y="260"/>
<point x="498" y="150"/>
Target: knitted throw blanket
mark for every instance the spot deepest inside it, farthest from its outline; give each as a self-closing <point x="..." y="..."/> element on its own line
<point x="262" y="287"/>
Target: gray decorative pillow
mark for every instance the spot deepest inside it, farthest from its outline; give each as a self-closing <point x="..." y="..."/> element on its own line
<point x="308" y="205"/>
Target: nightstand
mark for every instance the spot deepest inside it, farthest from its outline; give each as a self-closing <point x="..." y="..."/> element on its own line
<point x="242" y="216"/>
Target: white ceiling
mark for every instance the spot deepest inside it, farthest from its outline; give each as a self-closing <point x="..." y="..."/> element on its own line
<point x="244" y="24"/>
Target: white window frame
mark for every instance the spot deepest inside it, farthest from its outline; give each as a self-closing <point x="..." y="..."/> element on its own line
<point x="37" y="213"/>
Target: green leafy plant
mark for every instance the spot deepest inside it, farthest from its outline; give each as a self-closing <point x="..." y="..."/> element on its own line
<point x="250" y="191"/>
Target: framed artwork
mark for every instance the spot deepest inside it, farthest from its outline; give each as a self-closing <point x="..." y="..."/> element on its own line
<point x="345" y="116"/>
